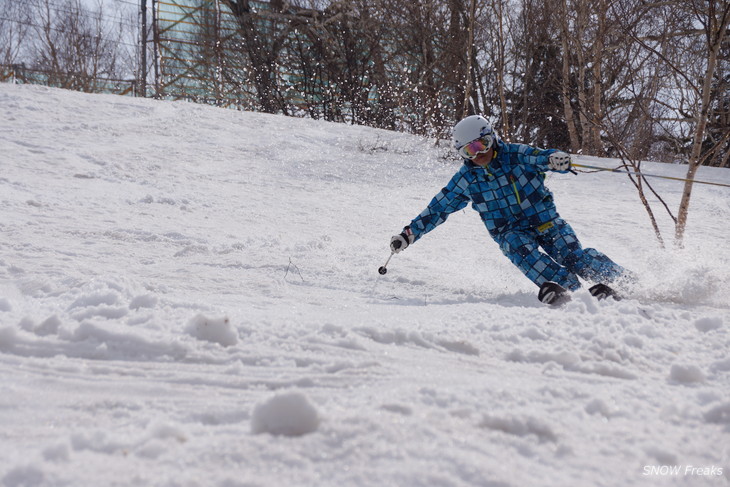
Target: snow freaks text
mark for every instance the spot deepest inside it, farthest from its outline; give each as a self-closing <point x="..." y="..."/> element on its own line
<point x="682" y="470"/>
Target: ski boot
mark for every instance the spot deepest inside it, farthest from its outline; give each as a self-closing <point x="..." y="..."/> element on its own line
<point x="553" y="294"/>
<point x="601" y="291"/>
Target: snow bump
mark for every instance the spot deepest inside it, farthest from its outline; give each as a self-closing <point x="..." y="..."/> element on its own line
<point x="26" y="476"/>
<point x="143" y="301"/>
<point x="215" y="330"/>
<point x="708" y="324"/>
<point x="520" y="426"/>
<point x="719" y="414"/>
<point x="288" y="414"/>
<point x="686" y="374"/>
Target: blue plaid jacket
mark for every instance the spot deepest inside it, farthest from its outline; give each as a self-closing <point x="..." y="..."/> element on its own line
<point x="508" y="194"/>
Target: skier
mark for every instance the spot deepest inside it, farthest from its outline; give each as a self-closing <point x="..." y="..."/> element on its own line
<point x="505" y="184"/>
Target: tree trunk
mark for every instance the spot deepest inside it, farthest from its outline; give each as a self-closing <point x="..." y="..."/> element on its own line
<point x="261" y="54"/>
<point x="469" y="57"/>
<point x="714" y="38"/>
<point x="506" y="128"/>
<point x="565" y="82"/>
<point x="597" y="93"/>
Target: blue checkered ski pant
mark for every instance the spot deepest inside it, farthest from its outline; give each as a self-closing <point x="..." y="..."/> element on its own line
<point x="563" y="260"/>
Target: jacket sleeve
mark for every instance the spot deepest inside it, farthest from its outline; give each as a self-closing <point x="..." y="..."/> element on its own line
<point x="451" y="198"/>
<point x="530" y="156"/>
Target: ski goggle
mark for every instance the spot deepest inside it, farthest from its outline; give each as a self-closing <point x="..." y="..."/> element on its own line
<point x="476" y="147"/>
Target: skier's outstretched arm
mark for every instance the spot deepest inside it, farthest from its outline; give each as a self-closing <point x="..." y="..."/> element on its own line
<point x="542" y="159"/>
<point x="451" y="198"/>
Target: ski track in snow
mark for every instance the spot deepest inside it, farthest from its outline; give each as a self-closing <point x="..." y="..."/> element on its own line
<point x="189" y="297"/>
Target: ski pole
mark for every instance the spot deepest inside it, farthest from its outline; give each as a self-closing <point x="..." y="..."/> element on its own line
<point x="636" y="173"/>
<point x="384" y="268"/>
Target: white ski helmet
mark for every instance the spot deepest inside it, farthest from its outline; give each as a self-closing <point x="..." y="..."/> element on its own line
<point x="471" y="128"/>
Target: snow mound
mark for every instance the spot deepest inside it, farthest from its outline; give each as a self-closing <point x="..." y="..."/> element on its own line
<point x="600" y="407"/>
<point x="708" y="324"/>
<point x="215" y="330"/>
<point x="719" y="414"/>
<point x="289" y="414"/>
<point x="143" y="301"/>
<point x="520" y="426"/>
<point x="27" y="476"/>
<point x="686" y="374"/>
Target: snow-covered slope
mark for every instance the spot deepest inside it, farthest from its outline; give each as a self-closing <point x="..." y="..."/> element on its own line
<point x="189" y="296"/>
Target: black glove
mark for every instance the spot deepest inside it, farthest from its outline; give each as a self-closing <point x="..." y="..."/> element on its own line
<point x="401" y="241"/>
